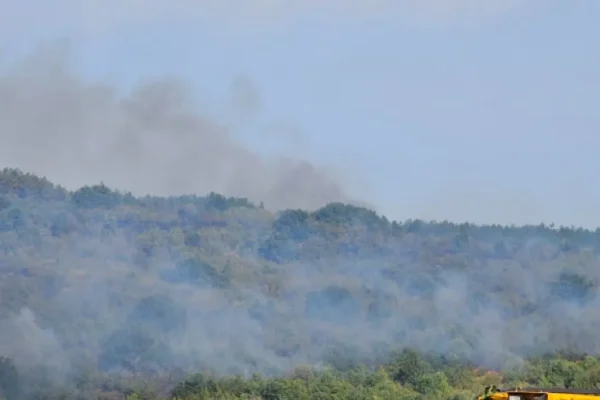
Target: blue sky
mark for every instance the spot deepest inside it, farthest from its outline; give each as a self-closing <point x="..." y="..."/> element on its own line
<point x="455" y="110"/>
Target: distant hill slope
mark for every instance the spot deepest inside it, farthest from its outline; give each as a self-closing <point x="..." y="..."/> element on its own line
<point x="129" y="283"/>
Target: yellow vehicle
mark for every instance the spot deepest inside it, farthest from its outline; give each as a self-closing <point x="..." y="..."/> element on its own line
<point x="532" y="393"/>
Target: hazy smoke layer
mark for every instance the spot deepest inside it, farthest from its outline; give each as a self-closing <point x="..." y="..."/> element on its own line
<point x="153" y="140"/>
<point x="194" y="283"/>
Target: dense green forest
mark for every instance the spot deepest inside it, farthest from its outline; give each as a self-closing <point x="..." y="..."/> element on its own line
<point x="108" y="295"/>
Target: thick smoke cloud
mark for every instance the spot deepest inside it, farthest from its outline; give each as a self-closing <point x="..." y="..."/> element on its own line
<point x="153" y="140"/>
<point x="31" y="346"/>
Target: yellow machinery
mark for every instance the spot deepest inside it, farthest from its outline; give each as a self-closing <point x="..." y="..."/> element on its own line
<point x="493" y="393"/>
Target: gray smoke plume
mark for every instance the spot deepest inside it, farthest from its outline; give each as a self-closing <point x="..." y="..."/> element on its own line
<point x="153" y="140"/>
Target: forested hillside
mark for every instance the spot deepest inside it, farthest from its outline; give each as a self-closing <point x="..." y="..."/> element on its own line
<point x="107" y="294"/>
